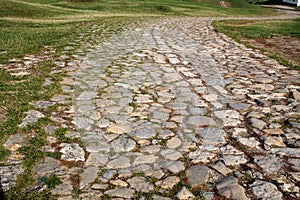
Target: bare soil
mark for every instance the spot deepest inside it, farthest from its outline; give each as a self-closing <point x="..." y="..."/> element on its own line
<point x="289" y="47"/>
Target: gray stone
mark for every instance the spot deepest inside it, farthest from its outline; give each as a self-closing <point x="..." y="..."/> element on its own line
<point x="270" y="163"/>
<point x="265" y="190"/>
<point x="42" y="104"/>
<point x="185" y="194"/>
<point x="228" y="117"/>
<point x="220" y="167"/>
<point x="230" y="188"/>
<point x="120" y="192"/>
<point x="87" y="95"/>
<point x="197" y="175"/>
<point x="89" y="175"/>
<point x="49" y="165"/>
<point x="232" y="156"/>
<point x="72" y="152"/>
<point x="145" y="159"/>
<point x="140" y="184"/>
<point x="212" y="136"/>
<point x="174" y="167"/>
<point x="145" y="133"/>
<point x="119" y="163"/>
<point x="257" y="123"/>
<point x="83" y="123"/>
<point x="32" y="117"/>
<point x="201" y="121"/>
<point x="123" y="144"/>
<point x="170" y="154"/>
<point x="8" y="176"/>
<point x="15" y="141"/>
<point x="63" y="189"/>
<point x="174" y="143"/>
<point x="170" y="182"/>
<point x="96" y="159"/>
<point x="201" y="156"/>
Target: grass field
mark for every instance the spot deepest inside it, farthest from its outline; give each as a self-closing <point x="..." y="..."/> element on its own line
<point x="249" y="30"/>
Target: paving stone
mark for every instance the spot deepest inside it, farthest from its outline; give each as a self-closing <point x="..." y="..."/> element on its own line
<point x="63" y="189"/>
<point x="257" y="123"/>
<point x="32" y="117"/>
<point x="230" y="188"/>
<point x="123" y="144"/>
<point x="174" y="167"/>
<point x="145" y="159"/>
<point x="120" y="192"/>
<point x="96" y="159"/>
<point x="170" y="182"/>
<point x="265" y="190"/>
<point x="15" y="141"/>
<point x="269" y="163"/>
<point x="140" y="184"/>
<point x="197" y="174"/>
<point x="229" y="117"/>
<point x="220" y="167"/>
<point x="232" y="156"/>
<point x="48" y="165"/>
<point x="201" y="121"/>
<point x="173" y="143"/>
<point x="72" y="152"/>
<point x="185" y="194"/>
<point x="119" y="163"/>
<point x="9" y="175"/>
<point x="89" y="175"/>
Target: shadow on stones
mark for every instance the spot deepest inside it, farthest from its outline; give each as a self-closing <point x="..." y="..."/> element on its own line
<point x="2" y="194"/>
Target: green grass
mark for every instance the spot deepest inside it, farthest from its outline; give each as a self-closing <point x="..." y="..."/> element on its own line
<point x="165" y="7"/>
<point x="17" y="9"/>
<point x="241" y="30"/>
<point x="20" y="38"/>
<point x="259" y="29"/>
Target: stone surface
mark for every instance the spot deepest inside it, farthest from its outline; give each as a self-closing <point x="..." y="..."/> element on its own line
<point x="197" y="174"/>
<point x="89" y="175"/>
<point x="8" y="176"/>
<point x="32" y="117"/>
<point x="265" y="190"/>
<point x="230" y="188"/>
<point x="72" y="152"/>
<point x="140" y="184"/>
<point x="184" y="194"/>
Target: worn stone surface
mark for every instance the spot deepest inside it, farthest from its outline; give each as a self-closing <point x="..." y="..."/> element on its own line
<point x="265" y="190"/>
<point x="197" y="175"/>
<point x="230" y="188"/>
<point x="163" y="97"/>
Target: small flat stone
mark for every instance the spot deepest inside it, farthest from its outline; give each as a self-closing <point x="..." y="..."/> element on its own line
<point x="140" y="184"/>
<point x="257" y="123"/>
<point x="229" y="117"/>
<point x="170" y="154"/>
<point x="119" y="163"/>
<point x="270" y="163"/>
<point x="265" y="190"/>
<point x="15" y="141"/>
<point x="72" y="152"/>
<point x="120" y="192"/>
<point x="174" y="167"/>
<point x="197" y="175"/>
<point x="273" y="131"/>
<point x="32" y="117"/>
<point x="89" y="175"/>
<point x="185" y="194"/>
<point x="145" y="159"/>
<point x="201" y="121"/>
<point x="123" y="144"/>
<point x="145" y="133"/>
<point x="9" y="175"/>
<point x="170" y="182"/>
<point x="63" y="189"/>
<point x="220" y="167"/>
<point x="48" y="165"/>
<point x="173" y="143"/>
<point x="230" y="188"/>
<point x="96" y="159"/>
<point x="232" y="156"/>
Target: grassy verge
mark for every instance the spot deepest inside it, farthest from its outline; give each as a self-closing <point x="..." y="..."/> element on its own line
<point x="245" y="30"/>
<point x="165" y="7"/>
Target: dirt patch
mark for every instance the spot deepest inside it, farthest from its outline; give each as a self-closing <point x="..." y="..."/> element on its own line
<point x="289" y="47"/>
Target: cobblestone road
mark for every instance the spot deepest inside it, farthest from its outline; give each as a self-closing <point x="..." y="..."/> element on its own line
<point x="170" y="109"/>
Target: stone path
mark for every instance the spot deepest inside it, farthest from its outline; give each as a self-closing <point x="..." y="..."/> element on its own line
<point x="170" y="109"/>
